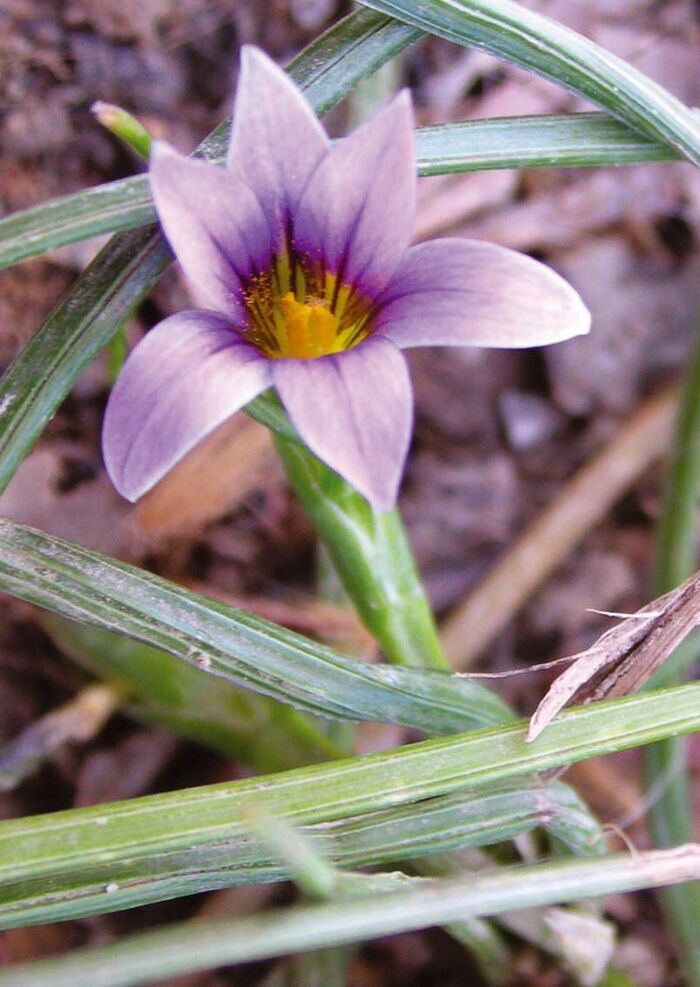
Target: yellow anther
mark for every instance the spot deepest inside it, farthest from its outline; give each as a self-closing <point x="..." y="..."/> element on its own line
<point x="291" y="308"/>
<point x="322" y="324"/>
<point x="295" y="314"/>
<point x="310" y="329"/>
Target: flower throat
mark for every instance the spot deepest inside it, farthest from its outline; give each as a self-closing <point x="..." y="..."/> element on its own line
<point x="295" y="312"/>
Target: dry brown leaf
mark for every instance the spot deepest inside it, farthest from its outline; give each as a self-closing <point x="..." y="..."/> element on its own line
<point x="78" y="720"/>
<point x="622" y="660"/>
<point x="91" y="514"/>
<point x="220" y="472"/>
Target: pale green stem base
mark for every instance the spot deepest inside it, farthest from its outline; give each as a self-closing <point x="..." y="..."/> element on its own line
<point x="373" y="559"/>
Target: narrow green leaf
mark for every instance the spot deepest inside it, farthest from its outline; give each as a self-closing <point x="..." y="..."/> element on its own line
<point x="179" y="861"/>
<point x="575" y="140"/>
<point x="140" y="833"/>
<point x="481" y="938"/>
<point x="126" y="270"/>
<point x="666" y="764"/>
<point x="161" y="689"/>
<point x="529" y="39"/>
<point x="108" y="208"/>
<point x="118" y="279"/>
<point x="93" y="589"/>
<point x="192" y="946"/>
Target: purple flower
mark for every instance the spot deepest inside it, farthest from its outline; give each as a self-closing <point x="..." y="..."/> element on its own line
<point x="300" y="252"/>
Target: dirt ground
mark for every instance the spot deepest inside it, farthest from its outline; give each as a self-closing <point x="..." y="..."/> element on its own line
<point x="498" y="434"/>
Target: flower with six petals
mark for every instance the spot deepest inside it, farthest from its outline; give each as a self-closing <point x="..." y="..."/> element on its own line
<point x="300" y="251"/>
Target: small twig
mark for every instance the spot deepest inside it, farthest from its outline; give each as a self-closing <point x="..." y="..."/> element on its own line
<point x="583" y="502"/>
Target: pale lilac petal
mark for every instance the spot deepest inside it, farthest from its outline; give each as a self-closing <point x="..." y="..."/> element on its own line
<point x="354" y="410"/>
<point x="356" y="216"/>
<point x="276" y="139"/>
<point x="454" y="292"/>
<point x="184" y="378"/>
<point x="214" y="223"/>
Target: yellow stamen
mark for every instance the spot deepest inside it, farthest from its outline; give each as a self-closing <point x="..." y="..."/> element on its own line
<point x="297" y="312"/>
<point x="310" y="328"/>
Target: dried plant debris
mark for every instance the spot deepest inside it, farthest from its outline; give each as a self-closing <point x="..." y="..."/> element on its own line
<point x="78" y="720"/>
<point x="622" y="660"/>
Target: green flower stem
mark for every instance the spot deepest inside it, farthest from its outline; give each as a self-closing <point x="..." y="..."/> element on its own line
<point x="670" y="815"/>
<point x="372" y="556"/>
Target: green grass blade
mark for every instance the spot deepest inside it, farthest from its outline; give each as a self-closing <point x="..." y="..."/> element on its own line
<point x="485" y="943"/>
<point x="229" y="856"/>
<point x="90" y="588"/>
<point x="670" y="813"/>
<point x="575" y="140"/>
<point x="108" y="208"/>
<point x="538" y="44"/>
<point x="677" y="540"/>
<point x="160" y="688"/>
<point x="126" y="270"/>
<point x="192" y="946"/>
<point x="118" y="279"/>
<point x="333" y="64"/>
<point x="69" y="843"/>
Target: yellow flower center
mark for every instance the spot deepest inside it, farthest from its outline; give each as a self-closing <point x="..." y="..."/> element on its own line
<point x="309" y="329"/>
<point x="299" y="314"/>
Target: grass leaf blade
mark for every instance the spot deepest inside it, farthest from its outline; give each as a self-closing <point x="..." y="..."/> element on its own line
<point x="199" y="945"/>
<point x="91" y="588"/>
<point x="572" y="140"/>
<point x="538" y="44"/>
